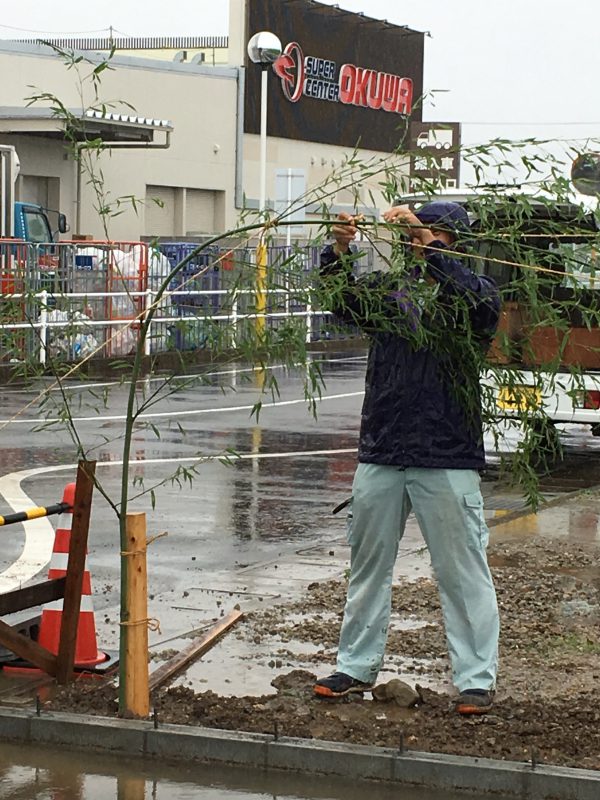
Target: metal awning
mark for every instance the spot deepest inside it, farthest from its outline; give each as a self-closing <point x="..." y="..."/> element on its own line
<point x="111" y="127"/>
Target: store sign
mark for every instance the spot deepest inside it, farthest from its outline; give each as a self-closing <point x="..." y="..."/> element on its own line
<point x="435" y="153"/>
<point x="343" y="79"/>
<point x="321" y="79"/>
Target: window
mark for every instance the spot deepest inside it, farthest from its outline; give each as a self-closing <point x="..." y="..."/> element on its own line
<point x="36" y="226"/>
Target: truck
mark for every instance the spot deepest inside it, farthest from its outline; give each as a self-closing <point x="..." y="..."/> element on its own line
<point x="440" y="138"/>
<point x="27" y="222"/>
<point x="545" y="369"/>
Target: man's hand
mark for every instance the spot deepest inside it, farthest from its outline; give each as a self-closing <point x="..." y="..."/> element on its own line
<point x="404" y="217"/>
<point x="344" y="234"/>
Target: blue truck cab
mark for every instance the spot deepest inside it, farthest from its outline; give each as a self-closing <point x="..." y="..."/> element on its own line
<point x="21" y="220"/>
<point x="31" y="224"/>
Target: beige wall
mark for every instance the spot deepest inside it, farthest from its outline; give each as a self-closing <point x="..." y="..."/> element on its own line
<point x="325" y="166"/>
<point x="199" y="101"/>
<point x="198" y="169"/>
<point x="237" y="32"/>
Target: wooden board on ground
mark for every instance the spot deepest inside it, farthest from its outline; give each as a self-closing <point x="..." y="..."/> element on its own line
<point x="200" y="646"/>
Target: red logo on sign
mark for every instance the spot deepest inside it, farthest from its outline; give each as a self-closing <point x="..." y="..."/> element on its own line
<point x="290" y="68"/>
<point x="354" y="85"/>
<point x="371" y="89"/>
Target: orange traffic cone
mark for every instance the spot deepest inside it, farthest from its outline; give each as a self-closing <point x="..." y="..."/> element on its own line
<point x="86" y="649"/>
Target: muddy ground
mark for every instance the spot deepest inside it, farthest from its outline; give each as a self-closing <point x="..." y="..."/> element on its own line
<point x="548" y="701"/>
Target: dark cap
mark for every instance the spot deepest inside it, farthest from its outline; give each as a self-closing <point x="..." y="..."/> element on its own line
<point x="445" y="215"/>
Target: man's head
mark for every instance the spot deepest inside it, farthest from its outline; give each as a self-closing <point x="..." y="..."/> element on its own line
<point x="448" y="221"/>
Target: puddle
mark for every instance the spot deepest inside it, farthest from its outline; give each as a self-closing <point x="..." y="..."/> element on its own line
<point x="42" y="773"/>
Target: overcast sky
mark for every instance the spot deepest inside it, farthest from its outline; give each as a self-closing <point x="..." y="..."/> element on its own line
<point x="514" y="68"/>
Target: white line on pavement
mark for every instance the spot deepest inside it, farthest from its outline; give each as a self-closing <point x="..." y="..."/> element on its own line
<point x="39" y="535"/>
<point x="235" y="371"/>
<point x="168" y="414"/>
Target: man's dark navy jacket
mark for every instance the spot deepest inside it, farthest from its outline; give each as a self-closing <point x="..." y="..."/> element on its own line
<point x="422" y="404"/>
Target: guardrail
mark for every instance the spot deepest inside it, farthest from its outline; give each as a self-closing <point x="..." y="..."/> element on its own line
<point x="72" y="300"/>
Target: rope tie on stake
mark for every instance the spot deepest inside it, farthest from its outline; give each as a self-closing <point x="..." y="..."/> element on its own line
<point x="152" y="623"/>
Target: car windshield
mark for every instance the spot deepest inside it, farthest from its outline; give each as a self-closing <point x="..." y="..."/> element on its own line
<point x="37" y="228"/>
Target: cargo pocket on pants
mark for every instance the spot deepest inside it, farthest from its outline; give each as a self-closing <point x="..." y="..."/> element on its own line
<point x="477" y="531"/>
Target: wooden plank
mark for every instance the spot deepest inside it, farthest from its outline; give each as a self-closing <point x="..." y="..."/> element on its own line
<point x="136" y="693"/>
<point x="27" y="649"/>
<point x="82" y="508"/>
<point x="30" y="596"/>
<point x="166" y="671"/>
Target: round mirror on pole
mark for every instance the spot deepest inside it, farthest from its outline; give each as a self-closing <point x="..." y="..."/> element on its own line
<point x="264" y="48"/>
<point x="585" y="173"/>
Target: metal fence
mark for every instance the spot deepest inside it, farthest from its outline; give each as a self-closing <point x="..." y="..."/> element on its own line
<point x="75" y="299"/>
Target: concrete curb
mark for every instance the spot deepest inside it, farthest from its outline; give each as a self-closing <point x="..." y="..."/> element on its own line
<point x="307" y="756"/>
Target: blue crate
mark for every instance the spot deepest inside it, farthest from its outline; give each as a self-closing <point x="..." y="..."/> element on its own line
<point x="210" y="280"/>
<point x="189" y="334"/>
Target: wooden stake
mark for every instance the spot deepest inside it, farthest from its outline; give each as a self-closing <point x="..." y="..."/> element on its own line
<point x="84" y="489"/>
<point x="136" y="692"/>
<point x="27" y="649"/>
<point x="166" y="671"/>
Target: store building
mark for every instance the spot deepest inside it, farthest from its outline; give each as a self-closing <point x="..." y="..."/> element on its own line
<point x="345" y="90"/>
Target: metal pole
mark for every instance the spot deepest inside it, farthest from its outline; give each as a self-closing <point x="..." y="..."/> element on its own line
<point x="43" y="326"/>
<point x="78" y="194"/>
<point x="261" y="249"/>
<point x="148" y="306"/>
<point x="288" y="230"/>
<point x="262" y="199"/>
<point x="288" y="240"/>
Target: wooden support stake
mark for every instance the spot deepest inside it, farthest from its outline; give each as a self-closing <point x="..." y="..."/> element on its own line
<point x="136" y="692"/>
<point x="84" y="489"/>
<point x="195" y="650"/>
<point x="27" y="649"/>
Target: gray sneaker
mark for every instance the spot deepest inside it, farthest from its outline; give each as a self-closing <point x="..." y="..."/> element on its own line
<point x="340" y="684"/>
<point x="475" y="701"/>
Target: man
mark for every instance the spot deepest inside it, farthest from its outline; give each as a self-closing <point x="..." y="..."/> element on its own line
<point x="420" y="445"/>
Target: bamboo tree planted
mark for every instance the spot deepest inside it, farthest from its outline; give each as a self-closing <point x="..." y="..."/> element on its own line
<point x="537" y="243"/>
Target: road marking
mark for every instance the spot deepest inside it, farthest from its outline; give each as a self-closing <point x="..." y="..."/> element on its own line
<point x="169" y="414"/>
<point x="39" y="534"/>
<point x="68" y="386"/>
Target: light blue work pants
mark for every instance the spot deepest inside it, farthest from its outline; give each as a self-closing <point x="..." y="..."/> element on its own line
<point x="449" y="509"/>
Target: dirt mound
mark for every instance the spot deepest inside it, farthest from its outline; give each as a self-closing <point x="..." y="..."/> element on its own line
<point x="548" y="702"/>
